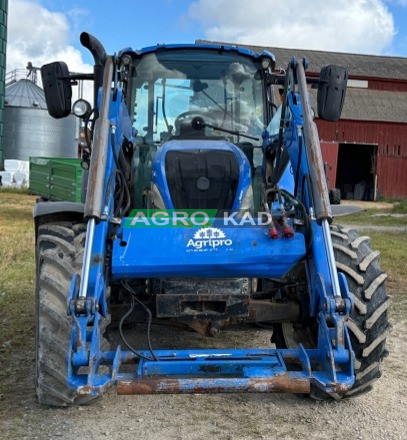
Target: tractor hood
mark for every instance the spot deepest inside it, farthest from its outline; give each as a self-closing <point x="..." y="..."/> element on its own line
<point x="201" y="174"/>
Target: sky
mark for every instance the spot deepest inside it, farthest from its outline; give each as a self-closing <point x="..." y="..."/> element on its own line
<point x="41" y="31"/>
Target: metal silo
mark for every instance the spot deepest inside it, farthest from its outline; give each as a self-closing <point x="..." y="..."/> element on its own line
<point x="3" y="41"/>
<point x="29" y="130"/>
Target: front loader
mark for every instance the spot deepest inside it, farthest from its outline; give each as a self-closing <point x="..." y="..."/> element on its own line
<point x="205" y="206"/>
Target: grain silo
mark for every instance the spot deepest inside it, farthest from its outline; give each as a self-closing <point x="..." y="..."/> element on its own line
<point x="29" y="130"/>
<point x="3" y="42"/>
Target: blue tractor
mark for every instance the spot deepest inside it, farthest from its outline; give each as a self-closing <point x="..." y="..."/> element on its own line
<point x="205" y="205"/>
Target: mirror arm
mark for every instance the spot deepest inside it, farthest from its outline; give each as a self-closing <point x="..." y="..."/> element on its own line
<point x="75" y="76"/>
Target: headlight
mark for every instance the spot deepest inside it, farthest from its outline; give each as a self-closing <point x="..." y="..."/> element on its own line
<point x="265" y="63"/>
<point x="81" y="108"/>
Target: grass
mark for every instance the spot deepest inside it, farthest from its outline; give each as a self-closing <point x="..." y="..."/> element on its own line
<point x="13" y="190"/>
<point x="17" y="284"/>
<point x="392" y="247"/>
<point x="393" y="253"/>
<point x="393" y="259"/>
<point x="394" y="216"/>
<point x="382" y="217"/>
<point x="17" y="274"/>
<point x="400" y="207"/>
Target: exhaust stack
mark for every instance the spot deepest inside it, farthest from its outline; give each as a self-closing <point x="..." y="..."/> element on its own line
<point x="99" y="55"/>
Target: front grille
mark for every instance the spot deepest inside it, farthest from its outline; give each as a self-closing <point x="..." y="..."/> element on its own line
<point x="202" y="179"/>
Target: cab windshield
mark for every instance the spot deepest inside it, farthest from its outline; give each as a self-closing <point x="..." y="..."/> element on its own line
<point x="172" y="88"/>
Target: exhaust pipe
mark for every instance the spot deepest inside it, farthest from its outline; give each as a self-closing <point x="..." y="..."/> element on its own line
<point x="99" y="55"/>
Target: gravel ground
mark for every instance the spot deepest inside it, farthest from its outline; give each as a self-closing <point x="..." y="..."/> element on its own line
<point x="380" y="228"/>
<point x="380" y="414"/>
<point x="343" y="209"/>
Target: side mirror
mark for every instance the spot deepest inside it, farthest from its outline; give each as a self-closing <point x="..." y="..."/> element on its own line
<point x="57" y="89"/>
<point x="331" y="92"/>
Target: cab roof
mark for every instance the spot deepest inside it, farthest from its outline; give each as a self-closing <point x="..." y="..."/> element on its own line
<point x="199" y="46"/>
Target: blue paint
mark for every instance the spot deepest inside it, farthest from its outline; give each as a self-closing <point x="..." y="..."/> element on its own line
<point x="251" y="253"/>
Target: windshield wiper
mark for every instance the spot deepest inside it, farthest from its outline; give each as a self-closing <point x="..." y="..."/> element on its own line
<point x="198" y="123"/>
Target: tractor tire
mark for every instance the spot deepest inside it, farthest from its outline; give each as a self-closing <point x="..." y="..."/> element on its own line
<point x="368" y="323"/>
<point x="335" y="196"/>
<point x="59" y="255"/>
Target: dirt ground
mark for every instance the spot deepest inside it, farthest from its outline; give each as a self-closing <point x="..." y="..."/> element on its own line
<point x="380" y="414"/>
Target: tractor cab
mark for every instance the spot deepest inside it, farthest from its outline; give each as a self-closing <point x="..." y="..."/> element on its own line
<point x="199" y="113"/>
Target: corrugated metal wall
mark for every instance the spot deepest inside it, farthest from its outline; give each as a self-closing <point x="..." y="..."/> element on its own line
<point x="388" y="84"/>
<point x="3" y="41"/>
<point x="391" y="139"/>
<point x="32" y="132"/>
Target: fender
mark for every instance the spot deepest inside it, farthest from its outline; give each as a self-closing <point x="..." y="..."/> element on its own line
<point x="46" y="211"/>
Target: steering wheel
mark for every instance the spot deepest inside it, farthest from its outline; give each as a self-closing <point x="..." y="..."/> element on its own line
<point x="190" y="115"/>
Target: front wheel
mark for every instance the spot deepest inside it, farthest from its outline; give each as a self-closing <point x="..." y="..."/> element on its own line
<point x="368" y="323"/>
<point x="59" y="255"/>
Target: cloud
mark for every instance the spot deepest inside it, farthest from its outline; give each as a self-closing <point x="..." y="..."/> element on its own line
<point x="38" y="35"/>
<point x="361" y="26"/>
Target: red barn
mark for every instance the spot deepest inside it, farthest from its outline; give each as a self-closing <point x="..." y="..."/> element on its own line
<point x="366" y="150"/>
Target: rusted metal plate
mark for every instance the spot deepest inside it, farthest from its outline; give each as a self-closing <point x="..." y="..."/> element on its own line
<point x="267" y="311"/>
<point x="313" y="150"/>
<point x="279" y="384"/>
<point x="95" y="191"/>
<point x="202" y="306"/>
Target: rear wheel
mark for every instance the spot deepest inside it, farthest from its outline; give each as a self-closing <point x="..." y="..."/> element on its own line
<point x="59" y="255"/>
<point x="335" y="196"/>
<point x="368" y="323"/>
